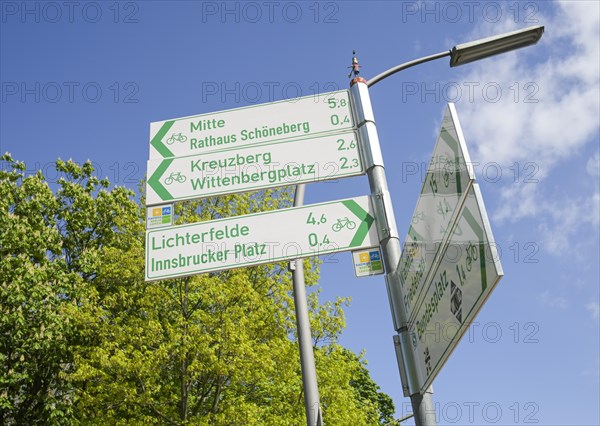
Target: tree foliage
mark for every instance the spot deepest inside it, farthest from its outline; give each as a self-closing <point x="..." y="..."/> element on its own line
<point x="85" y="340"/>
<point x="49" y="249"/>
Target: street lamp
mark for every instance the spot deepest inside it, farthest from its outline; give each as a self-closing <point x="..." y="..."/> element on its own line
<point x="486" y="47"/>
<point x="473" y="51"/>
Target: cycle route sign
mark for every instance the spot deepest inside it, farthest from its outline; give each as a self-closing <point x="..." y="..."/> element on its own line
<point x="252" y="168"/>
<point x="467" y="274"/>
<point x="259" y="238"/>
<point x="449" y="264"/>
<point x="232" y="129"/>
<point x="447" y="182"/>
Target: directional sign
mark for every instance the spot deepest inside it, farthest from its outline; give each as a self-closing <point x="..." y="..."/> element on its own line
<point x="232" y="129"/>
<point x="444" y="190"/>
<point x="254" y="167"/>
<point x="468" y="272"/>
<point x="260" y="238"/>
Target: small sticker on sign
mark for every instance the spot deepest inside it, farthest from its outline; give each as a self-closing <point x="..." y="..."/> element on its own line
<point x="158" y="216"/>
<point x="367" y="262"/>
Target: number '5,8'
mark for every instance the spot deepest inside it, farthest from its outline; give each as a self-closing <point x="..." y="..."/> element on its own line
<point x="336" y="103"/>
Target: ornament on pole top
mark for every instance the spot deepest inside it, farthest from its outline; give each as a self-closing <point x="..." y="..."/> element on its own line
<point x="355" y="71"/>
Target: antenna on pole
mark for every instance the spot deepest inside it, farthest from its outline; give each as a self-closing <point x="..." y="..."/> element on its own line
<point x="355" y="70"/>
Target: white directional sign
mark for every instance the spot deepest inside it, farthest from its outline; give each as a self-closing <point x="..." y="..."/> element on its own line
<point x="447" y="182"/>
<point x="260" y="238"/>
<point x="232" y="129"/>
<point x="253" y="167"/>
<point x="449" y="264"/>
<point x="461" y="283"/>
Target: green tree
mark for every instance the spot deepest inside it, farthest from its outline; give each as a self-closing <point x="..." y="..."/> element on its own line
<point x="86" y="340"/>
<point x="367" y="390"/>
<point x="49" y="249"/>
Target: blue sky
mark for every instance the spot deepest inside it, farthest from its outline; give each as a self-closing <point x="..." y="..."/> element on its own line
<point x="83" y="80"/>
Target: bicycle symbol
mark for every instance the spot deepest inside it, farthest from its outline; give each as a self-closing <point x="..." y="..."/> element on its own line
<point x="175" y="176"/>
<point x="471" y="255"/>
<point x="343" y="223"/>
<point x="418" y="217"/>
<point x="457" y="231"/>
<point x="443" y="209"/>
<point x="449" y="168"/>
<point x="176" y="137"/>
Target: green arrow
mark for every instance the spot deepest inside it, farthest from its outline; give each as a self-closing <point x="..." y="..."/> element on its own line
<point x="157" y="142"/>
<point x="154" y="181"/>
<point x="365" y="224"/>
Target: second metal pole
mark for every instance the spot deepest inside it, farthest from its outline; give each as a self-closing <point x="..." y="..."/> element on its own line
<point x="307" y="357"/>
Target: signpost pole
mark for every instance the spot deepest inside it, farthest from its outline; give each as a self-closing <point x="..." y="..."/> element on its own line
<point x="307" y="359"/>
<point x="422" y="405"/>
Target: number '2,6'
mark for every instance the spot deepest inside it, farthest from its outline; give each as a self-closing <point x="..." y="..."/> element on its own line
<point x="344" y="145"/>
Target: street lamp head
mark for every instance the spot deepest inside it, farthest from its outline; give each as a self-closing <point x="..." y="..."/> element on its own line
<point x="486" y="47"/>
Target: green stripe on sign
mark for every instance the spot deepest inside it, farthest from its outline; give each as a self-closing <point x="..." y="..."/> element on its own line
<point x="365" y="224"/>
<point x="479" y="232"/>
<point x="447" y="137"/>
<point x="473" y="224"/>
<point x="154" y="180"/>
<point x="453" y="144"/>
<point x="157" y="142"/>
<point x="412" y="232"/>
<point x="482" y="266"/>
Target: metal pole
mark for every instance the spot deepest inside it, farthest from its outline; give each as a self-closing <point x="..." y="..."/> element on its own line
<point x="390" y="245"/>
<point x="307" y="357"/>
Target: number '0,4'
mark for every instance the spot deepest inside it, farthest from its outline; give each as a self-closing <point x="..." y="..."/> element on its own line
<point x="337" y="121"/>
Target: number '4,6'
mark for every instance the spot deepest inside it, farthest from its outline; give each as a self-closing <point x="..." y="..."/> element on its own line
<point x="312" y="221"/>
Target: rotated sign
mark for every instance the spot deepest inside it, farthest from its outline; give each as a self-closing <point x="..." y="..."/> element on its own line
<point x="448" y="179"/>
<point x="467" y="273"/>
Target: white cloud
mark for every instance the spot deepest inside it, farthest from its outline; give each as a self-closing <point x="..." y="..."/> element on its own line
<point x="568" y="89"/>
<point x="593" y="166"/>
<point x="553" y="301"/>
<point x="561" y="227"/>
<point x="562" y="221"/>
<point x="565" y="67"/>
<point x="594" y="309"/>
<point x="528" y="206"/>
